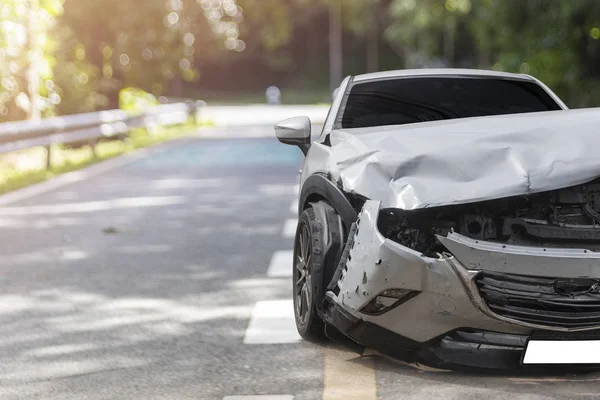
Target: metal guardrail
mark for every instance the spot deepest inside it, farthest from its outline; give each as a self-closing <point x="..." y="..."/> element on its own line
<point x="92" y="127"/>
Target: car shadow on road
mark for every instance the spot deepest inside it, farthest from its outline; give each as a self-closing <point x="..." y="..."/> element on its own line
<point x="395" y="376"/>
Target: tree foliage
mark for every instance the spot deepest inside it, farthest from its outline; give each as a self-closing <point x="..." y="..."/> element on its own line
<point x="76" y="55"/>
<point x="25" y="40"/>
<point x="150" y="46"/>
<point x="558" y="42"/>
<point x="86" y="50"/>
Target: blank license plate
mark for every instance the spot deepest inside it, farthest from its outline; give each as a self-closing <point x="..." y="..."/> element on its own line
<point x="562" y="352"/>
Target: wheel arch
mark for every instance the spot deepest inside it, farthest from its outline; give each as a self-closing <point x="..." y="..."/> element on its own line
<point x="317" y="188"/>
<point x="335" y="215"/>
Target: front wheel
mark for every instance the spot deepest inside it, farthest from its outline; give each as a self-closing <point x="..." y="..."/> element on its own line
<point x="307" y="254"/>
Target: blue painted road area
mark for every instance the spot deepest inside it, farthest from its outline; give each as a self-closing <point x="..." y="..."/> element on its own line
<point x="215" y="153"/>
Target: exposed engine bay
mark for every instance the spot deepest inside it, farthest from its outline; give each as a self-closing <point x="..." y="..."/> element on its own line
<point x="567" y="217"/>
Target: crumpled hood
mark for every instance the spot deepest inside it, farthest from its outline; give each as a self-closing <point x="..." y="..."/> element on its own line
<point x="464" y="160"/>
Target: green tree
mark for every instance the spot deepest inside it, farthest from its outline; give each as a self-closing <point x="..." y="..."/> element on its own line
<point x="425" y="31"/>
<point x="558" y="42"/>
<point x="152" y="46"/>
<point x="76" y="55"/>
<point x="26" y="58"/>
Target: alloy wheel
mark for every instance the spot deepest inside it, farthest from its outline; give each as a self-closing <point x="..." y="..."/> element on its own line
<point x="302" y="275"/>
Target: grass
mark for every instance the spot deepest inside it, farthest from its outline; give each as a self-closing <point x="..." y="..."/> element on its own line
<point x="26" y="167"/>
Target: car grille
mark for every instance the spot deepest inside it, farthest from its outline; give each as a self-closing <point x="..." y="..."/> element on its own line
<point x="556" y="302"/>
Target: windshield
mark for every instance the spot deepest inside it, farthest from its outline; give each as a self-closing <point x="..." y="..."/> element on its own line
<point x="405" y="101"/>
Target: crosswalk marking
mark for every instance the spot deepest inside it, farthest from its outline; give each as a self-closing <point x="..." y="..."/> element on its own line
<point x="281" y="264"/>
<point x="272" y="322"/>
<point x="261" y="397"/>
<point x="289" y="228"/>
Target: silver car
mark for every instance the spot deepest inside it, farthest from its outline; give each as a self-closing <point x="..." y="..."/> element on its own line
<point x="451" y="217"/>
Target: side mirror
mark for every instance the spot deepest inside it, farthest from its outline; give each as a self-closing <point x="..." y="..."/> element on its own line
<point x="295" y="131"/>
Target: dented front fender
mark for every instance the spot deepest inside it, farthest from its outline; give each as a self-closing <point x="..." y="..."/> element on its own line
<point x="376" y="264"/>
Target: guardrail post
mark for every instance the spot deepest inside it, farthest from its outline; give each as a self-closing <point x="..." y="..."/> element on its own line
<point x="191" y="110"/>
<point x="93" y="147"/>
<point x="195" y="113"/>
<point x="49" y="157"/>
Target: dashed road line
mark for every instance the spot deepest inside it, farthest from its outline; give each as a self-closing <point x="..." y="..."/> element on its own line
<point x="289" y="228"/>
<point x="281" y="264"/>
<point x="272" y="322"/>
<point x="92" y="206"/>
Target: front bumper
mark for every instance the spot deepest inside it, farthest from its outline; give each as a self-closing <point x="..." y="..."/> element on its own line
<point x="449" y="315"/>
<point x="456" y="349"/>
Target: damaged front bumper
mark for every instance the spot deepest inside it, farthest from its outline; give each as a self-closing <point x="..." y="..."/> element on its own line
<point x="476" y="305"/>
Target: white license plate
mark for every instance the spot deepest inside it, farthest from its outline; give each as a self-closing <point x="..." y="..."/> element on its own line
<point x="562" y="352"/>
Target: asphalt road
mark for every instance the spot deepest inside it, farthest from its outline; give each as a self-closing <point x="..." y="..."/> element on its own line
<point x="156" y="279"/>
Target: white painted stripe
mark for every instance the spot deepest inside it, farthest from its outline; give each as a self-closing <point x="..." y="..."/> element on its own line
<point x="281" y="264"/>
<point x="91" y="206"/>
<point x="294" y="206"/>
<point x="289" y="228"/>
<point x="347" y="375"/>
<point x="278" y="190"/>
<point x="272" y="322"/>
<point x="261" y="397"/>
<point x="83" y="174"/>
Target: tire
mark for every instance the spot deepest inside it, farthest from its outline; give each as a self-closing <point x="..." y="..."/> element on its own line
<point x="308" y="257"/>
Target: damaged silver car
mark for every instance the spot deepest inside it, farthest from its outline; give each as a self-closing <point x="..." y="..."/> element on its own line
<point x="451" y="217"/>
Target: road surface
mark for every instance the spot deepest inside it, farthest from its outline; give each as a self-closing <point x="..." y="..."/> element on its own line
<point x="166" y="276"/>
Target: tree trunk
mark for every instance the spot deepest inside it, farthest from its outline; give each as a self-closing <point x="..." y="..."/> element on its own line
<point x="335" y="46"/>
<point x="372" y="41"/>
<point x="449" y="45"/>
<point x="484" y="58"/>
<point x="34" y="59"/>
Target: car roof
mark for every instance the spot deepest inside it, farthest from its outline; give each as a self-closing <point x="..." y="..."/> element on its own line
<point x="438" y="72"/>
